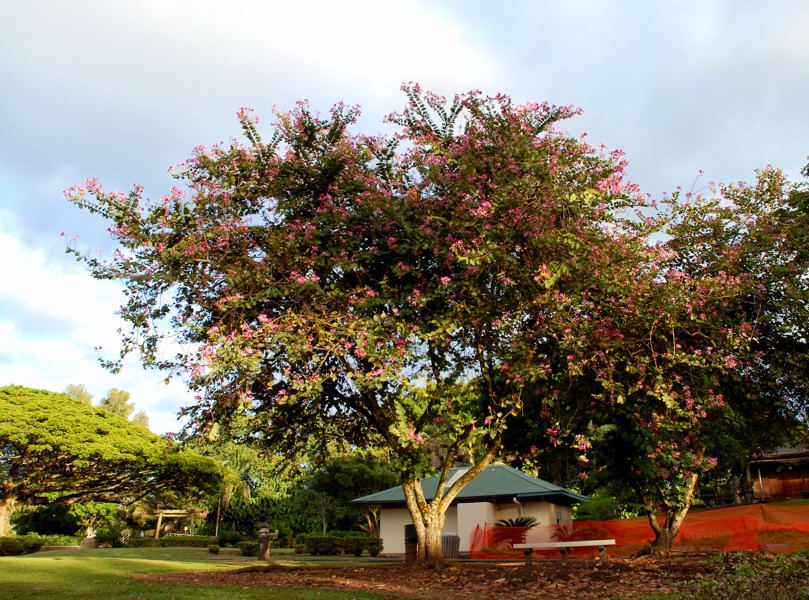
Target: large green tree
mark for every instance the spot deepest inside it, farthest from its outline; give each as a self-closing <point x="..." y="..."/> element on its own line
<point x="56" y="449"/>
<point x="396" y="292"/>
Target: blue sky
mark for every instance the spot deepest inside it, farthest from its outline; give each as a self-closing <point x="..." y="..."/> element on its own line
<point x="122" y="90"/>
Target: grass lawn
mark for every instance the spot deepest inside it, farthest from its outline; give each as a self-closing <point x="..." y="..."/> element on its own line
<point x="106" y="573"/>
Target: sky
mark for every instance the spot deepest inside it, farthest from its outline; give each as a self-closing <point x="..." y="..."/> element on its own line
<point x="123" y="90"/>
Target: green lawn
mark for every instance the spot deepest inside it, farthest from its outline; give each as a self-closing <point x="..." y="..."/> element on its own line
<point x="105" y="573"/>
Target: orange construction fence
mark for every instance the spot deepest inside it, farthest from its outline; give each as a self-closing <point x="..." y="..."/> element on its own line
<point x="776" y="528"/>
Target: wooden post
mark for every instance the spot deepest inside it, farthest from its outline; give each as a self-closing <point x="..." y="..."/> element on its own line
<point x="760" y="486"/>
<point x="159" y="523"/>
<point x="218" y="507"/>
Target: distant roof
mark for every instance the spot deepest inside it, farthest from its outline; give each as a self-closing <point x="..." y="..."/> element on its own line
<point x="498" y="482"/>
<point x="782" y="455"/>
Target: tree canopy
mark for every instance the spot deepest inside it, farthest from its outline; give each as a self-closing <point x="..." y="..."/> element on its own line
<point x="420" y="291"/>
<point x="59" y="449"/>
<point x="397" y="291"/>
<point x="698" y="361"/>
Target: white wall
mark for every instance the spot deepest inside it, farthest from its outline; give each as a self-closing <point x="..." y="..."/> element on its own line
<point x="463" y="518"/>
<point x="470" y="515"/>
<point x="392" y="523"/>
<point x="451" y="520"/>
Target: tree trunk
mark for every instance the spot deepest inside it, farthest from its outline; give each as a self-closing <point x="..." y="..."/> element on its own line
<point x="433" y="555"/>
<point x="666" y="534"/>
<point x="429" y="521"/>
<point x="428" y="516"/>
<point x="218" y="509"/>
<point x="6" y="508"/>
<point x="673" y="520"/>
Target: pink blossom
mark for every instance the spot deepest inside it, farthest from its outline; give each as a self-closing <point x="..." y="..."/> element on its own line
<point x="413" y="434"/>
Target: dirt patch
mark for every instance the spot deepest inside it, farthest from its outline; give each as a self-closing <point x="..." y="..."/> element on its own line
<point x="584" y="579"/>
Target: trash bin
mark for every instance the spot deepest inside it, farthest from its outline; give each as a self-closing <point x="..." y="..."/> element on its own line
<point x="411" y="543"/>
<point x="450" y="543"/>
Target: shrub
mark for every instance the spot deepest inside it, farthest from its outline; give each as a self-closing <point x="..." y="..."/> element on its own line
<point x="755" y="577"/>
<point x="147" y="542"/>
<point x="114" y="534"/>
<point x="525" y="521"/>
<point x="174" y="541"/>
<point x="600" y="506"/>
<point x="328" y="545"/>
<point x="56" y="540"/>
<point x="188" y="541"/>
<point x="213" y="548"/>
<point x="286" y="539"/>
<point x="228" y="538"/>
<point x="323" y="545"/>
<point x="13" y="546"/>
<point x="248" y="548"/>
<point x="374" y="545"/>
<point x="353" y="545"/>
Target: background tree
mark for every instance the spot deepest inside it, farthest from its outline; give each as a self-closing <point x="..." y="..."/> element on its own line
<point x="79" y="391"/>
<point x="387" y="292"/>
<point x="64" y="519"/>
<point x="141" y="418"/>
<point x="118" y="403"/>
<point x="758" y="233"/>
<point x="659" y="380"/>
<point x="55" y="449"/>
<point x="344" y="477"/>
<point x="238" y="461"/>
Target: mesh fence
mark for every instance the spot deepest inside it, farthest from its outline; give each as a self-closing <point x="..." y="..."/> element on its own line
<point x="753" y="527"/>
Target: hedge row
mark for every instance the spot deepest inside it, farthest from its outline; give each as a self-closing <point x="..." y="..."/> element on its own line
<point x="248" y="548"/>
<point x="12" y="546"/>
<point x="327" y="545"/>
<point x="175" y="541"/>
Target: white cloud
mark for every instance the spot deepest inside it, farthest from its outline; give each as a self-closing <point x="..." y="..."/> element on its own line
<point x="54" y="316"/>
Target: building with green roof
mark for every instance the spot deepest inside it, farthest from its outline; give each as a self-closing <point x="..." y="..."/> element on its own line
<point x="500" y="492"/>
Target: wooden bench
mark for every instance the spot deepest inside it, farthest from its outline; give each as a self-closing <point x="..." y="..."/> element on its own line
<point x="564" y="547"/>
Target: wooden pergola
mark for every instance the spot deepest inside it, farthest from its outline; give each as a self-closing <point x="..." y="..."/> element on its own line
<point x="175" y="514"/>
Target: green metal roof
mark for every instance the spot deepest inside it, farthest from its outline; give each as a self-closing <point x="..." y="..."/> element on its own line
<point x="498" y="482"/>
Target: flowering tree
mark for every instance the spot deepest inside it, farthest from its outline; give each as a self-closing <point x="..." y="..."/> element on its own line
<point x="701" y="341"/>
<point x="654" y="358"/>
<point x="385" y="291"/>
<point x="757" y="232"/>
